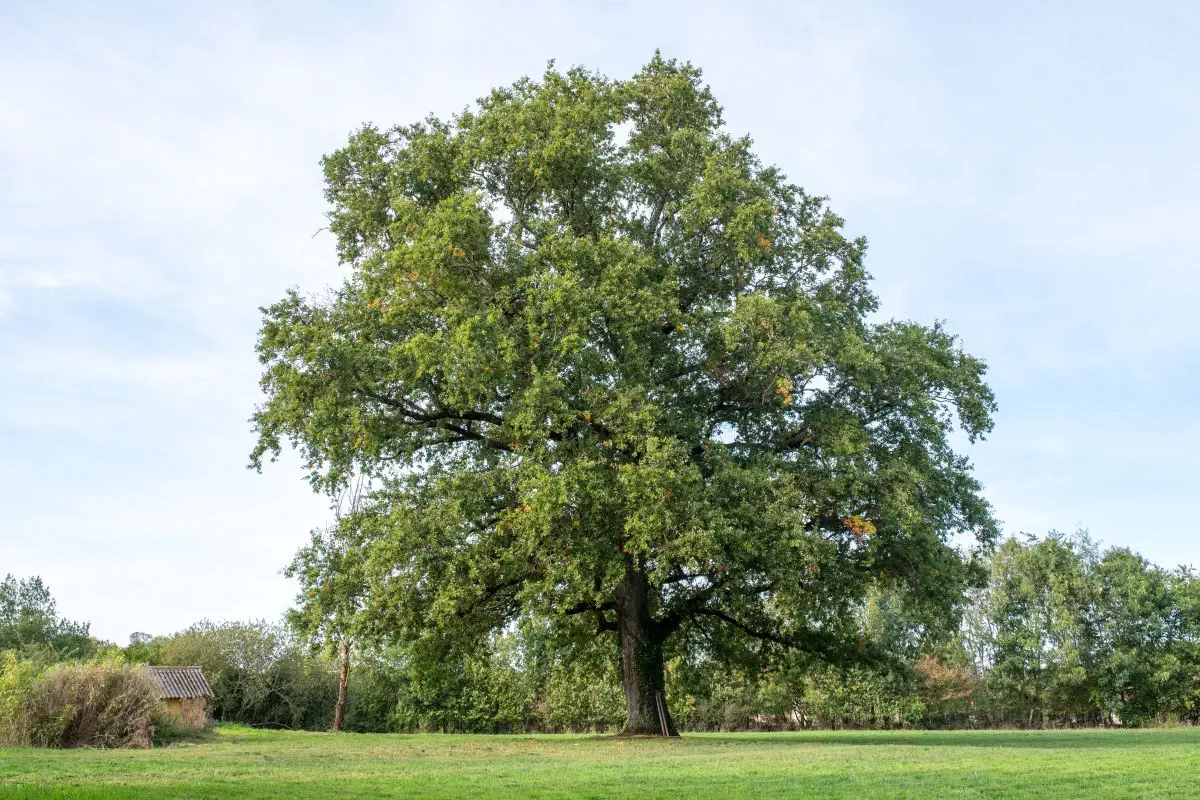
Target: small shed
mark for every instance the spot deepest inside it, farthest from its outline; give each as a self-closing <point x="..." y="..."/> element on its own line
<point x="184" y="693"/>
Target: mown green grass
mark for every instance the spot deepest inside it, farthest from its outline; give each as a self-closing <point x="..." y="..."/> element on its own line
<point x="239" y="762"/>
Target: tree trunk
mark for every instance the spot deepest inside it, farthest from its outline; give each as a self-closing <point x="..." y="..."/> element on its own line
<point x="339" y="709"/>
<point x="640" y="641"/>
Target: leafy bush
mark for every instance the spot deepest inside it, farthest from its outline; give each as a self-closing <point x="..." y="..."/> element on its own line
<point x="76" y="705"/>
<point x="18" y="679"/>
<point x="260" y="675"/>
<point x="377" y="682"/>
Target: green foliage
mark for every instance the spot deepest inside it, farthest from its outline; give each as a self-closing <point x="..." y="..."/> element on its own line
<point x="858" y="698"/>
<point x="143" y="649"/>
<point x="1061" y="635"/>
<point x="1037" y="607"/>
<point x="257" y="672"/>
<point x="332" y="585"/>
<point x="1145" y="658"/>
<point x="29" y="622"/>
<point x="1065" y="635"/>
<point x="378" y="683"/>
<point x="18" y="681"/>
<point x="591" y="347"/>
<point x="580" y="687"/>
<point x="795" y="690"/>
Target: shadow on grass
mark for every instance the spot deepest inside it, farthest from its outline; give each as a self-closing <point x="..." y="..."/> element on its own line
<point x="171" y="735"/>
<point x="1038" y="740"/>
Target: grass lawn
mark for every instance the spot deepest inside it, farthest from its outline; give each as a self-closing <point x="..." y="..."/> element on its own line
<point x="240" y="762"/>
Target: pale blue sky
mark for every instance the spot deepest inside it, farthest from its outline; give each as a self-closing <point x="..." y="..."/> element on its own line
<point x="1027" y="172"/>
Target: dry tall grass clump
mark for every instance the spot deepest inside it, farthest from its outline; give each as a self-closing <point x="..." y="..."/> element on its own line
<point x="77" y="705"/>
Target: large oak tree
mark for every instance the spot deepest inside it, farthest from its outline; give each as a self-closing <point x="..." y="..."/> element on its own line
<point x="603" y="365"/>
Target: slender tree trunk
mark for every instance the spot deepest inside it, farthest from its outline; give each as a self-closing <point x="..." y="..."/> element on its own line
<point x="640" y="641"/>
<point x="339" y="709"/>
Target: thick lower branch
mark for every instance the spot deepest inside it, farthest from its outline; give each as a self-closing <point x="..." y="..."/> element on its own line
<point x="584" y="607"/>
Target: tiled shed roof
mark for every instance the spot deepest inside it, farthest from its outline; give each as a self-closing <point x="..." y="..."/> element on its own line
<point x="180" y="682"/>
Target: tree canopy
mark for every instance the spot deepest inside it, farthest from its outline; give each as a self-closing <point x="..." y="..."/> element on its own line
<point x="29" y="620"/>
<point x="603" y="365"/>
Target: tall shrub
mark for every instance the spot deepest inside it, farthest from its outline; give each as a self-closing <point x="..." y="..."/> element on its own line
<point x="76" y="705"/>
<point x="18" y="680"/>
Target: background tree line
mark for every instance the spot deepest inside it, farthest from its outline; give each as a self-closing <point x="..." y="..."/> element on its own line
<point x="1063" y="634"/>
